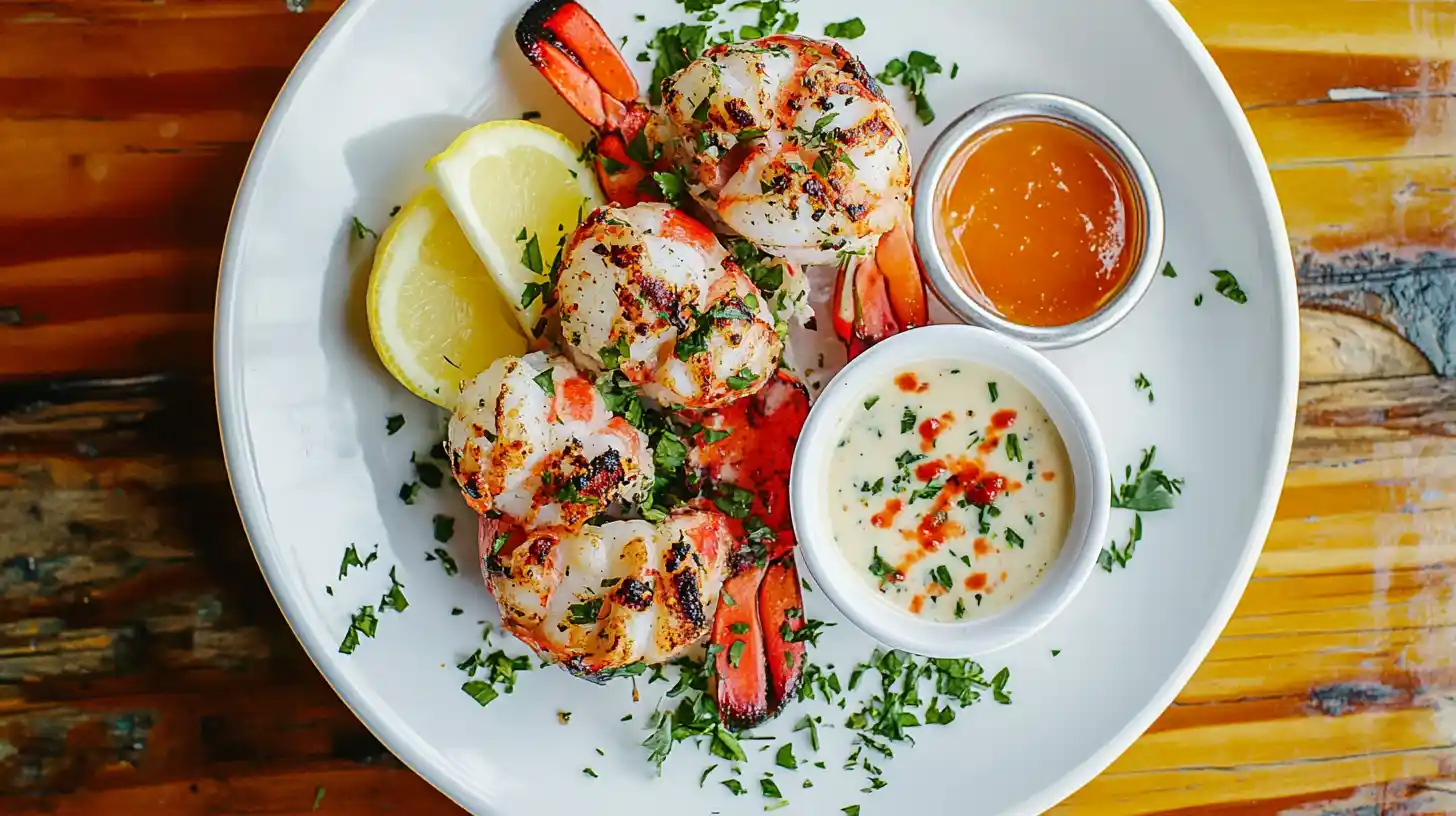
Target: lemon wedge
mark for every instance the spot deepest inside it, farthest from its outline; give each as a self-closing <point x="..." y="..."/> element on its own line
<point x="435" y="315"/>
<point x="517" y="189"/>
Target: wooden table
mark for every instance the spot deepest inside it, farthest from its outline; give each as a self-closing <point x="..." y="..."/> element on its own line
<point x="145" y="669"/>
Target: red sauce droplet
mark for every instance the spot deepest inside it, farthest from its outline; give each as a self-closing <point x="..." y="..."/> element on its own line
<point x="991" y="443"/>
<point x="986" y="490"/>
<point x="932" y="428"/>
<point x="976" y="580"/>
<point x="886" y="517"/>
<point x="917" y="603"/>
<point x="937" y="528"/>
<point x="1047" y="476"/>
<point x="910" y="383"/>
<point x="1003" y="419"/>
<point x="929" y="471"/>
<point x="983" y="547"/>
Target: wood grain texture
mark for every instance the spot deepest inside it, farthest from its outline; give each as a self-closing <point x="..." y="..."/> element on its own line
<point x="145" y="669"/>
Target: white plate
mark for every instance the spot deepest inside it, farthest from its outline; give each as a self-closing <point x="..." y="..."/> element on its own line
<point x="303" y="403"/>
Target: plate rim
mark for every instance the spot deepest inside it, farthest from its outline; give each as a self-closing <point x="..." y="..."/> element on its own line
<point x="247" y="494"/>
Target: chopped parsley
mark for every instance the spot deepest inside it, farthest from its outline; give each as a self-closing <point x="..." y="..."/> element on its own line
<point x="1013" y="447"/>
<point x="870" y="403"/>
<point x="480" y="691"/>
<point x="1151" y="490"/>
<point x="912" y="72"/>
<point x="546" y="381"/>
<point x="584" y="613"/>
<point x="444" y="527"/>
<point x="941" y="575"/>
<point x="613" y="355"/>
<point x="907" y="420"/>
<point x="850" y="29"/>
<point x="447" y="562"/>
<point x="1198" y="299"/>
<point x="1112" y="555"/>
<point x="394" y="598"/>
<point x="408" y="492"/>
<point x="995" y="392"/>
<point x="671" y="184"/>
<point x="1142" y="383"/>
<point x="1014" y="539"/>
<point x="1169" y="271"/>
<point x="351" y="559"/>
<point x="884" y="570"/>
<point x="743" y="380"/>
<point x="1228" y="286"/>
<point x="429" y="474"/>
<point x="360" y="231"/>
<point x="363" y="623"/>
<point x="393" y="423"/>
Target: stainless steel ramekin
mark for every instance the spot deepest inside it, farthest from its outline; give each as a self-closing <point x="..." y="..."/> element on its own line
<point x="1094" y="123"/>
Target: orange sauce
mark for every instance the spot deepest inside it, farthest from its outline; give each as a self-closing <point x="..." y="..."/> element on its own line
<point x="1040" y="220"/>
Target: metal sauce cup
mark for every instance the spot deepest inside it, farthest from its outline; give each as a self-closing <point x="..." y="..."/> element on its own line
<point x="953" y="292"/>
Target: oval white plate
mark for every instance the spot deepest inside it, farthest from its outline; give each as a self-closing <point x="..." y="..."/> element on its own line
<point x="303" y="404"/>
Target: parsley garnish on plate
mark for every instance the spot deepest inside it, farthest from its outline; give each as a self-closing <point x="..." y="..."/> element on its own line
<point x="850" y="29"/>
<point x="1228" y="286"/>
<point x="912" y="72"/>
<point x="394" y="598"/>
<point x="1151" y="490"/>
<point x="351" y="559"/>
<point x="360" y="231"/>
<point x="444" y="527"/>
<point x="363" y="623"/>
<point x="446" y="560"/>
<point x="1142" y="383"/>
<point x="1169" y="271"/>
<point x="393" y="423"/>
<point x="1113" y="555"/>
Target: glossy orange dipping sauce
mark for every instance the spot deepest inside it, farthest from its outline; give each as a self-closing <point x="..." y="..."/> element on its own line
<point x="1040" y="220"/>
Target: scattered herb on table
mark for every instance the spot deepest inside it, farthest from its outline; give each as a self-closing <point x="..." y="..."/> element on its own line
<point x="318" y="798"/>
<point x="1198" y="299"/>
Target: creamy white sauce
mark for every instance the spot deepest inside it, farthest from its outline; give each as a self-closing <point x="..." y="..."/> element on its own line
<point x="922" y="449"/>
